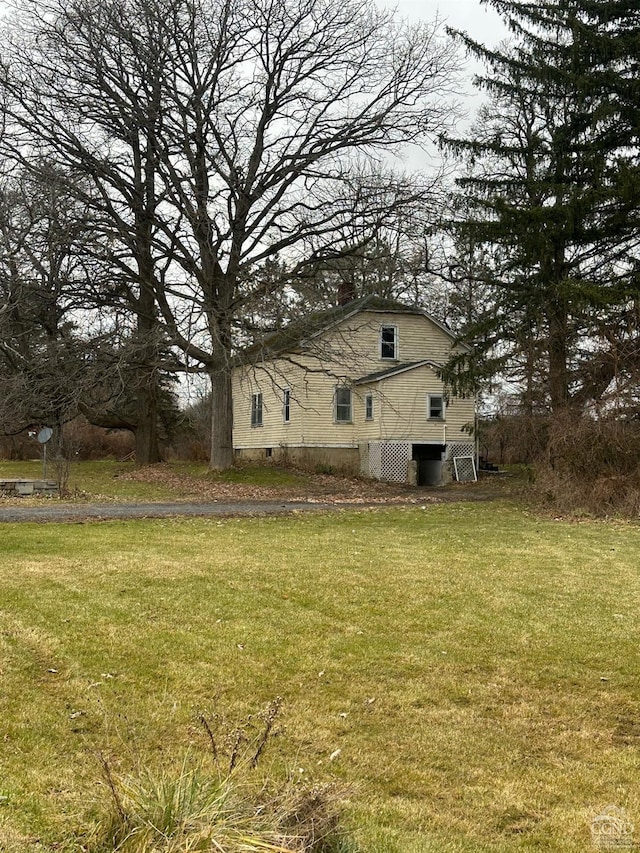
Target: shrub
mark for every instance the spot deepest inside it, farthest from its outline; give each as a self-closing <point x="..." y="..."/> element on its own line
<point x="88" y="442"/>
<point x="192" y="435"/>
<point x="591" y="465"/>
<point x="513" y="438"/>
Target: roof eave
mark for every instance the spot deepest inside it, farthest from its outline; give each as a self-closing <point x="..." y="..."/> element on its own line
<point x="372" y="378"/>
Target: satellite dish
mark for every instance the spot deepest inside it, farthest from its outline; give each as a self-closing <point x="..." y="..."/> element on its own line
<point x="44" y="435"/>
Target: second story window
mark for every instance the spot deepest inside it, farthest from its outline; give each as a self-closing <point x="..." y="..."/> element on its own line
<point x="435" y="407"/>
<point x="389" y="342"/>
<point x="256" y="410"/>
<point x="342" y="409"/>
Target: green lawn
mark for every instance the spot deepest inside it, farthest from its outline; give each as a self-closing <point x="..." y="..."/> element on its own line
<point x="108" y="480"/>
<point x="476" y="666"/>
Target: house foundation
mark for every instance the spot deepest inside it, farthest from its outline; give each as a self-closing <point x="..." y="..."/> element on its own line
<point x="328" y="460"/>
<point x="415" y="463"/>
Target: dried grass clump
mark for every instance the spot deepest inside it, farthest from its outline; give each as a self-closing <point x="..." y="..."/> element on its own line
<point x="592" y="466"/>
<point x="195" y="810"/>
<point x="310" y="819"/>
<point x="222" y="808"/>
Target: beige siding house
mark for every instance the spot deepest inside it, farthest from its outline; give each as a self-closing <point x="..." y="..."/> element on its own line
<point x="356" y="389"/>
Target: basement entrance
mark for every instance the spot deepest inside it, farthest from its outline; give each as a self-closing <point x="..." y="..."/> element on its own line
<point x="430" y="458"/>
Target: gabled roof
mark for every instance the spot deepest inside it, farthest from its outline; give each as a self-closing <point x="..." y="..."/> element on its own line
<point x="297" y="333"/>
<point x="393" y="371"/>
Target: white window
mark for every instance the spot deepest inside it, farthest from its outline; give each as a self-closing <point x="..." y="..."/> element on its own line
<point x="286" y="406"/>
<point x="256" y="410"/>
<point x="389" y="342"/>
<point x="342" y="409"/>
<point x="435" y="407"/>
<point x="368" y="407"/>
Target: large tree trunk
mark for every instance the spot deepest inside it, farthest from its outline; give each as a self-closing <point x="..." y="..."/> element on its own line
<point x="221" y="420"/>
<point x="147" y="444"/>
<point x="557" y="314"/>
<point x="220" y="370"/>
<point x="146" y="385"/>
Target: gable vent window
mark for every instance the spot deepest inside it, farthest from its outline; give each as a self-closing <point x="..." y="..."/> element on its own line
<point x="389" y="342"/>
<point x="342" y="411"/>
<point x="256" y="410"/>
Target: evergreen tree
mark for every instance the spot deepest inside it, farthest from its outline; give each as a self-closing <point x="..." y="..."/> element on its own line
<point x="552" y="189"/>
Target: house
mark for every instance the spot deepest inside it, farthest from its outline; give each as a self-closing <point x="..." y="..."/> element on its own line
<point x="355" y="389"/>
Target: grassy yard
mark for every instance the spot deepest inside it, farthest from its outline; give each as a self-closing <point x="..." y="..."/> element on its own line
<point x="476" y="666"/>
<point x="111" y="480"/>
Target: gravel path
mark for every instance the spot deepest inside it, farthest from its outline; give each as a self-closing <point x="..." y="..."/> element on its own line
<point x="81" y="512"/>
<point x="102" y="512"/>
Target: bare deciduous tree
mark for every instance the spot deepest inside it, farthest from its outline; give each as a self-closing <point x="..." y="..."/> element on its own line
<point x="82" y="89"/>
<point x="42" y="277"/>
<point x="222" y="133"/>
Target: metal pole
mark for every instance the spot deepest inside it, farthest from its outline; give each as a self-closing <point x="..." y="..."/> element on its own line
<point x="44" y="461"/>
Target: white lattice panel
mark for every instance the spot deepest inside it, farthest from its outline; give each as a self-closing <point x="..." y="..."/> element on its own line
<point x="375" y="460"/>
<point x="465" y="469"/>
<point x="454" y="450"/>
<point x="395" y="458"/>
<point x="388" y="460"/>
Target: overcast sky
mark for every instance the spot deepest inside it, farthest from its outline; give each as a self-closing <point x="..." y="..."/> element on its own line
<point x="482" y="23"/>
